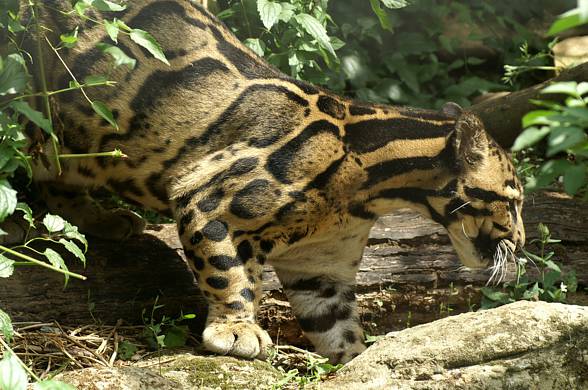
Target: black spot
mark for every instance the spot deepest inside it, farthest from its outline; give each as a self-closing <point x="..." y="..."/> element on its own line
<point x="266" y="245"/>
<point x="211" y="202"/>
<point x="198" y="263"/>
<point x="245" y="203"/>
<point x="322" y="179"/>
<point x="196" y="238"/>
<point x="218" y="282"/>
<point x="358" y="210"/>
<point x="485" y="195"/>
<point x="331" y="107"/>
<point x="349" y="296"/>
<point x="248" y="294"/>
<point x="251" y="279"/>
<point x="361" y="110"/>
<point x="311" y="284"/>
<point x="372" y="134"/>
<point x="215" y="230"/>
<point x="154" y="185"/>
<point x="86" y="172"/>
<point x="235" y="305"/>
<point x="329" y="292"/>
<point x="125" y="186"/>
<point x="324" y="322"/>
<point x="279" y="162"/>
<point x="223" y="262"/>
<point x="245" y="251"/>
<point x="304" y="86"/>
<point x="349" y="336"/>
<point x="498" y="226"/>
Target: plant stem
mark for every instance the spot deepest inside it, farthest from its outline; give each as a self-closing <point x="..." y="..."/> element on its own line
<point x="43" y="77"/>
<point x="115" y="154"/>
<point x="41" y="263"/>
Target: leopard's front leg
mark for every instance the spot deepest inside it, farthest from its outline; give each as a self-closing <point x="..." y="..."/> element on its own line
<point x="230" y="278"/>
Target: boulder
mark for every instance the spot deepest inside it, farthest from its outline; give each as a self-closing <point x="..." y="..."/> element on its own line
<point x="524" y="345"/>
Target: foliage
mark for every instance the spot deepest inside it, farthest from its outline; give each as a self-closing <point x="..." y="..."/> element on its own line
<point x="380" y="53"/>
<point x="552" y="284"/>
<point x="165" y="333"/>
<point x="317" y="368"/>
<point x="560" y="131"/>
<point x="14" y="374"/>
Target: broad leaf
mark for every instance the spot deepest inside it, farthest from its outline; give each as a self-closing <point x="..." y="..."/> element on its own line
<point x="144" y="39"/>
<point x="119" y="56"/>
<point x="70" y="231"/>
<point x="563" y="138"/>
<point x="53" y="223"/>
<point x="57" y="261"/>
<point x="566" y="21"/>
<point x="52" y="385"/>
<point x="6" y="268"/>
<point x="381" y="14"/>
<point x="101" y="109"/>
<point x="255" y="45"/>
<point x="13" y="74"/>
<point x="73" y="248"/>
<point x="34" y="116"/>
<point x="111" y="29"/>
<point x="537" y="117"/>
<point x="312" y="26"/>
<point x="12" y="375"/>
<point x="395" y="3"/>
<point x="530" y="137"/>
<point x="564" y="87"/>
<point x="27" y="213"/>
<point x="269" y="12"/>
<point x="8" y="199"/>
<point x="105" y="5"/>
<point x="6" y="328"/>
<point x="575" y="178"/>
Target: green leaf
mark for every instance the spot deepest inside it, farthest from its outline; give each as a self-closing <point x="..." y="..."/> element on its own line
<point x="176" y="336"/>
<point x="381" y="14"/>
<point x="34" y="116"/>
<point x="144" y="39"/>
<point x="494" y="295"/>
<point x="13" y="75"/>
<point x="394" y="4"/>
<point x="575" y="178"/>
<point x="255" y="45"/>
<point x="12" y="375"/>
<point x="81" y="7"/>
<point x="119" y="56"/>
<point x="53" y="223"/>
<point x="70" y="39"/>
<point x="27" y="213"/>
<point x="105" y="5"/>
<point x="269" y="12"/>
<point x="566" y="21"/>
<point x="56" y="260"/>
<point x="537" y="117"/>
<point x="6" y="268"/>
<point x="73" y="248"/>
<point x="52" y="385"/>
<point x="95" y="79"/>
<point x="530" y="137"/>
<point x="8" y="199"/>
<point x="126" y="350"/>
<point x="582" y="88"/>
<point x="312" y="26"/>
<point x="104" y="112"/>
<point x="70" y="231"/>
<point x="563" y="138"/>
<point x="6" y="328"/>
<point x="111" y="29"/>
<point x="564" y="87"/>
<point x="287" y="12"/>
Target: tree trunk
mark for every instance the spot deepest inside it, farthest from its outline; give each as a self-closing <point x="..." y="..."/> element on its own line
<point x="409" y="275"/>
<point x="502" y="115"/>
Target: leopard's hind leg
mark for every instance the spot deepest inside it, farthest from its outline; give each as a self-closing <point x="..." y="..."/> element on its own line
<point x="79" y="208"/>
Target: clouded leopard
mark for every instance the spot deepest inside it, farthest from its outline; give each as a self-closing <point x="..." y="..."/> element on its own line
<point x="257" y="167"/>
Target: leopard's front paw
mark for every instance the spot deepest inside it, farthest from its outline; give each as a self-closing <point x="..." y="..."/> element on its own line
<point x="241" y="339"/>
<point x="116" y="225"/>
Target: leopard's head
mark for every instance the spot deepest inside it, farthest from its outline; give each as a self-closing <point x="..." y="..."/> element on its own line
<point x="483" y="210"/>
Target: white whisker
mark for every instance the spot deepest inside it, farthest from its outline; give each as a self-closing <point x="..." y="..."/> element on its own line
<point x="463" y="205"/>
<point x="463" y="230"/>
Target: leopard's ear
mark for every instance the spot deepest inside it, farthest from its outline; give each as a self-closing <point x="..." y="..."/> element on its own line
<point x="470" y="142"/>
<point x="452" y="110"/>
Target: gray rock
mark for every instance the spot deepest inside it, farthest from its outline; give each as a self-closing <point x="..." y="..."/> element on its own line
<point x="524" y="345"/>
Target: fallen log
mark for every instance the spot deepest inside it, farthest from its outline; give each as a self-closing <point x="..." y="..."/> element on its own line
<point x="409" y="275"/>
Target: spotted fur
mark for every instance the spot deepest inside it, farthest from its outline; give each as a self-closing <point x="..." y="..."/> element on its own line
<point x="256" y="167"/>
